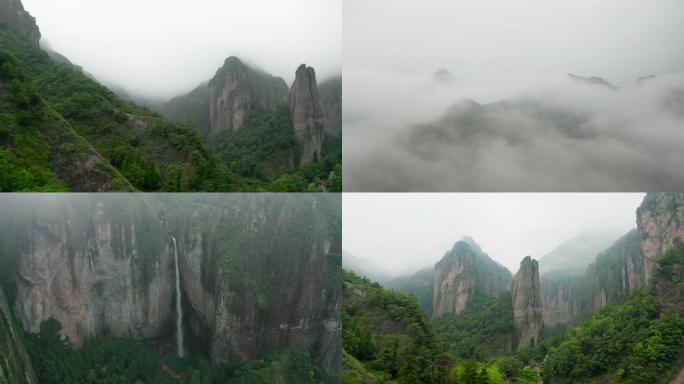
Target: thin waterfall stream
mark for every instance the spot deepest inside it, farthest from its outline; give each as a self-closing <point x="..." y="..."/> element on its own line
<point x="179" y="309"/>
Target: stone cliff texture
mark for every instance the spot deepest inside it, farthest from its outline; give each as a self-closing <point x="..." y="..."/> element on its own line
<point x="15" y="364"/>
<point x="559" y="299"/>
<point x="330" y="92"/>
<point x="236" y="89"/>
<point x="615" y="274"/>
<point x="462" y="272"/>
<point x="527" y="304"/>
<point x="307" y="113"/>
<point x="621" y="269"/>
<point x="660" y="221"/>
<point x="258" y="273"/>
<point x="13" y="15"/>
<point x="96" y="266"/>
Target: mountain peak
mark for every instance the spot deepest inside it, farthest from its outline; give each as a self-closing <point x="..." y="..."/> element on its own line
<point x="232" y="61"/>
<point x="593" y="80"/>
<point x="471" y="242"/>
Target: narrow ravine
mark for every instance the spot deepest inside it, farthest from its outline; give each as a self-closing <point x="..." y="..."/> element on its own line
<point x="179" y="309"/>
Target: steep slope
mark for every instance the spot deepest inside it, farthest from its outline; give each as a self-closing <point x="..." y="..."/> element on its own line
<point x="13" y="15"/>
<point x="386" y="337"/>
<point x="330" y="92"/>
<point x="39" y="149"/>
<point x="15" y="364"/>
<point x="266" y="133"/>
<point x="191" y="108"/>
<point x="259" y="273"/>
<point x="640" y="341"/>
<point x="614" y="275"/>
<point x="308" y="117"/>
<point x="527" y="304"/>
<point x="420" y="284"/>
<point x="464" y="271"/>
<point x="237" y="88"/>
<point x="151" y="152"/>
<point x="660" y="220"/>
<point x="559" y="298"/>
<point x="574" y="255"/>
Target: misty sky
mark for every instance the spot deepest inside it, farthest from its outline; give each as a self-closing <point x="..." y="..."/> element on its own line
<point x="401" y="132"/>
<point x="405" y="232"/>
<point x="616" y="39"/>
<point x="161" y="48"/>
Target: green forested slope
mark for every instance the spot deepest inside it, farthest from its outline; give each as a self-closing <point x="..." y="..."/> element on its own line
<point x="386" y="336"/>
<point x="639" y="341"/>
<point x="61" y="130"/>
<point x="151" y="152"/>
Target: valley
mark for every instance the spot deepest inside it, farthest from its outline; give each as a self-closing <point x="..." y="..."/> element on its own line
<point x="244" y="130"/>
<point x="616" y="317"/>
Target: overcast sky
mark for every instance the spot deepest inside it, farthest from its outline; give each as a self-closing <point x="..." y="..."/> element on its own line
<point x="404" y="232"/>
<point x="555" y="135"/>
<point x="166" y="47"/>
<point x="617" y="39"/>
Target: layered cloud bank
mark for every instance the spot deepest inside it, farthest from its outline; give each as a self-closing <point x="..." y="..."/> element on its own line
<point x="542" y="133"/>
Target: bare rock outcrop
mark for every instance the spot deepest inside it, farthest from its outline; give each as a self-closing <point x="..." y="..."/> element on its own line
<point x="15" y="364"/>
<point x="13" y="15"/>
<point x="330" y="92"/>
<point x="559" y="299"/>
<point x="307" y="113"/>
<point x="462" y="272"/>
<point x="660" y="221"/>
<point x="527" y="304"/>
<point x="259" y="273"/>
<point x="236" y="89"/>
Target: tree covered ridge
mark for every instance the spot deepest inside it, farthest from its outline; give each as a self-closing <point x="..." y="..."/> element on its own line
<point x="83" y="137"/>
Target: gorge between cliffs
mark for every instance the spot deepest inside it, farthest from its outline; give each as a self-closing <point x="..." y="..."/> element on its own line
<point x="599" y="308"/>
<point x="174" y="288"/>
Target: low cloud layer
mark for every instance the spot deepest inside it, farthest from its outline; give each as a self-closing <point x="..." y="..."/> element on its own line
<point x="562" y="135"/>
<point x="475" y="95"/>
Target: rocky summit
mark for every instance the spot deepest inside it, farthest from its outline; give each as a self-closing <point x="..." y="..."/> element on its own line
<point x="462" y="272"/>
<point x="236" y="89"/>
<point x="527" y="304"/>
<point x="307" y="114"/>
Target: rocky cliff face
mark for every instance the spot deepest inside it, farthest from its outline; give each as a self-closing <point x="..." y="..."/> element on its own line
<point x="527" y="304"/>
<point x="236" y="89"/>
<point x="15" y="365"/>
<point x="258" y="272"/>
<point x="660" y="221"/>
<point x="99" y="265"/>
<point x="464" y="270"/>
<point x="330" y="92"/>
<point x="621" y="269"/>
<point x="615" y="274"/>
<point x="559" y="298"/>
<point x="13" y="15"/>
<point x="307" y="113"/>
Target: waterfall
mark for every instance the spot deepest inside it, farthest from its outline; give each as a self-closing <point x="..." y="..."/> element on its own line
<point x="179" y="310"/>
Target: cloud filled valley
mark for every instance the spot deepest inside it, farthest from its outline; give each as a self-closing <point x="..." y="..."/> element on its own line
<point x="546" y="133"/>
